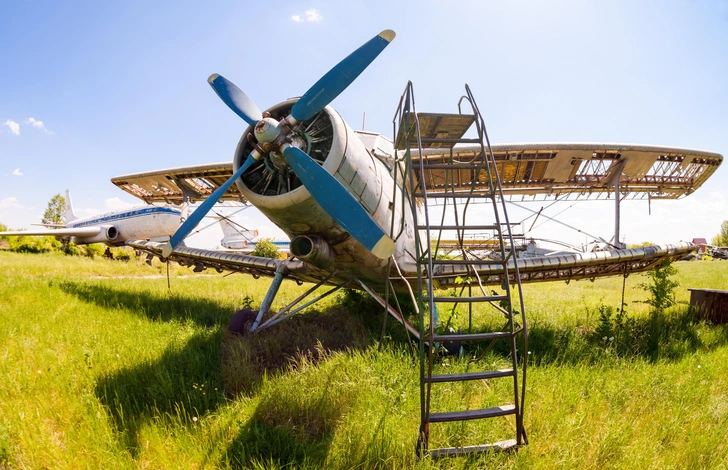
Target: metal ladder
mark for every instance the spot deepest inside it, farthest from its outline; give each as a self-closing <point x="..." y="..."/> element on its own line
<point x="453" y="186"/>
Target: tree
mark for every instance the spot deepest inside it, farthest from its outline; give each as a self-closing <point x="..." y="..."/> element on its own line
<point x="266" y="249"/>
<point x="722" y="238"/>
<point x="56" y="211"/>
<point x="661" y="287"/>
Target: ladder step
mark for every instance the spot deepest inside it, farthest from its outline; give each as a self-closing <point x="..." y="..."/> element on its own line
<point x="491" y="374"/>
<point x="455" y="451"/>
<point x="484" y="298"/>
<point x="459" y="227"/>
<point x="472" y="414"/>
<point x="472" y="336"/>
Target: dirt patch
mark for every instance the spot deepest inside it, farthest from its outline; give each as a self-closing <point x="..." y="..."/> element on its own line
<point x="247" y="357"/>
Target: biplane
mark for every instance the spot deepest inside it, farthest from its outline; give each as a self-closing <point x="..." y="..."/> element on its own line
<point x="337" y="193"/>
<point x="369" y="213"/>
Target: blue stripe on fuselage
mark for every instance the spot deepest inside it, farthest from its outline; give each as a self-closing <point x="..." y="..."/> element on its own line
<point x="125" y="216"/>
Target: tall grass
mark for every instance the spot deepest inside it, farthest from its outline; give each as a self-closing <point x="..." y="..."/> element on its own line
<point x="101" y="366"/>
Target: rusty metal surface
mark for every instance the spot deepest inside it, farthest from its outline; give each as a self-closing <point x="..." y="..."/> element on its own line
<point x="435" y="126"/>
<point x="553" y="268"/>
<point x="539" y="171"/>
<point x="170" y="185"/>
<point x="572" y="266"/>
<point x="542" y="171"/>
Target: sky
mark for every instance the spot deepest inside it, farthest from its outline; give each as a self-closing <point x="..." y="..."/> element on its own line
<point x="92" y="90"/>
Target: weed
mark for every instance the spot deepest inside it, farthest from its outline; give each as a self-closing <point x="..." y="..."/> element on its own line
<point x="153" y="395"/>
<point x="661" y="287"/>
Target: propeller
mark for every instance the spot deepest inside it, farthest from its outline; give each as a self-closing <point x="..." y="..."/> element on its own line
<point x="341" y="76"/>
<point x="234" y="97"/>
<point x="271" y="134"/>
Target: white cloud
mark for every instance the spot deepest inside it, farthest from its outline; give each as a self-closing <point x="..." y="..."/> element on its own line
<point x="115" y="203"/>
<point x="9" y="202"/>
<point x="13" y="126"/>
<point x="309" y="16"/>
<point x="37" y="124"/>
<point x="313" y="16"/>
<point x="16" y="172"/>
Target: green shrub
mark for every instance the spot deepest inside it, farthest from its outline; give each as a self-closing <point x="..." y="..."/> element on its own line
<point x="95" y="249"/>
<point x="34" y="244"/>
<point x="661" y="287"/>
<point x="123" y="254"/>
<point x="266" y="249"/>
<point x="72" y="249"/>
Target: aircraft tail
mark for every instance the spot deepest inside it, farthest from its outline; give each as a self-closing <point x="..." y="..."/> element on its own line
<point x="69" y="208"/>
<point x="229" y="230"/>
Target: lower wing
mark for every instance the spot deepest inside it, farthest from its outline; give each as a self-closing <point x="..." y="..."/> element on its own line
<point x="229" y="261"/>
<point x="564" y="267"/>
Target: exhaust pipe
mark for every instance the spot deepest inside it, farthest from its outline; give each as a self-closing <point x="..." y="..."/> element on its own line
<point x="313" y="250"/>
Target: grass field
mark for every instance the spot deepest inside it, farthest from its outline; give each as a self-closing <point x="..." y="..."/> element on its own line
<point x="101" y="366"/>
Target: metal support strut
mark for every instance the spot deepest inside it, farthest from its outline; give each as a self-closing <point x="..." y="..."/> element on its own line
<point x="281" y="271"/>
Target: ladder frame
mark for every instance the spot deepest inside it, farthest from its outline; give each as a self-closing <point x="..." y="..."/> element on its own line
<point x="407" y="118"/>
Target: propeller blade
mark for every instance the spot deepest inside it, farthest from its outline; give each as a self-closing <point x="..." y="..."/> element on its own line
<point x="336" y="200"/>
<point x="202" y="211"/>
<point x="341" y="76"/>
<point x="235" y="98"/>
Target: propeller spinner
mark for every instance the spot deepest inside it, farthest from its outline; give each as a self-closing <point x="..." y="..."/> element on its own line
<point x="275" y="135"/>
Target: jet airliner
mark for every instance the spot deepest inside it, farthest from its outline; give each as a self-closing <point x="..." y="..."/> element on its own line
<point x="114" y="228"/>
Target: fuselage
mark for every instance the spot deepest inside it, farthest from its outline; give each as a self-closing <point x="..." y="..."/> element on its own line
<point x="363" y="164"/>
<point x="139" y="222"/>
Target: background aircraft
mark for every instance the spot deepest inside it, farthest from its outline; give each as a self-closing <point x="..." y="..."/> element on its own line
<point x="240" y="239"/>
<point x="114" y="228"/>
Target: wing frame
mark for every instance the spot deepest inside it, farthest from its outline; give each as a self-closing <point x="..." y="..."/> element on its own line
<point x="567" y="267"/>
<point x="574" y="170"/>
<point x="174" y="185"/>
<point x="256" y="266"/>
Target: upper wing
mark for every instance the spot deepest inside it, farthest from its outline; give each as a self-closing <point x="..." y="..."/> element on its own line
<point x="171" y="185"/>
<point x="572" y="170"/>
<point x="566" y="267"/>
<point x="58" y="233"/>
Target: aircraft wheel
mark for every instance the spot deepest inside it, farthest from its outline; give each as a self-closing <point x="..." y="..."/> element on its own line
<point x="241" y="321"/>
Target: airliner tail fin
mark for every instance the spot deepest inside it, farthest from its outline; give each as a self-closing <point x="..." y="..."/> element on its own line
<point x="69" y="208"/>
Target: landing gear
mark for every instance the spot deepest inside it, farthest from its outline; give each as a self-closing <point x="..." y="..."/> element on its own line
<point x="240" y="322"/>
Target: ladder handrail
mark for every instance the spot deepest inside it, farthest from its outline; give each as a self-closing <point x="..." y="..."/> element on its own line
<point x="489" y="154"/>
<point x="407" y="106"/>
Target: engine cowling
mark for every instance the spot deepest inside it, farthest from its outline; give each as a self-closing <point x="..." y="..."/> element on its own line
<point x="107" y="234"/>
<point x="327" y="139"/>
<point x="273" y="188"/>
